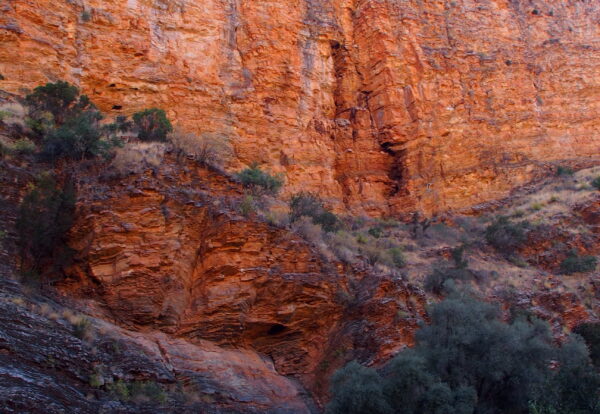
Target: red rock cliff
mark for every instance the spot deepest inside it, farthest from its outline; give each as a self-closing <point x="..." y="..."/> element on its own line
<point x="382" y="106"/>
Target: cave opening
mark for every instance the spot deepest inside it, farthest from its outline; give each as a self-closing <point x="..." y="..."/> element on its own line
<point x="117" y="107"/>
<point x="276" y="329"/>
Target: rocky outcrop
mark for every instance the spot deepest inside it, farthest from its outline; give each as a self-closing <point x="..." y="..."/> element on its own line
<point x="64" y="372"/>
<point x="206" y="272"/>
<point x="383" y="107"/>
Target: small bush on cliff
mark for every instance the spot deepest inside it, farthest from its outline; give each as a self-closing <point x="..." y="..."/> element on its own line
<point x="306" y="204"/>
<point x="260" y="181"/>
<point x="596" y="182"/>
<point x="469" y="361"/>
<point x="45" y="216"/>
<point x="54" y="102"/>
<point x="152" y="125"/>
<point x="68" y="123"/>
<point x="564" y="171"/>
<point x="23" y="146"/>
<point x="575" y="263"/>
<point x="505" y="235"/>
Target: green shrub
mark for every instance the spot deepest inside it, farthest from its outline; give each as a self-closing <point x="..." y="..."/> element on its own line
<point x="562" y="171"/>
<point x="57" y="99"/>
<point x="259" y="181"/>
<point x="86" y="16"/>
<point x="152" y="125"/>
<point x="436" y="282"/>
<point x="575" y="264"/>
<point x="596" y="182"/>
<point x="307" y="204"/>
<point x="397" y="257"/>
<point x="4" y="150"/>
<point x="357" y="390"/>
<point x="23" y="146"/>
<point x="78" y="138"/>
<point x="247" y="206"/>
<point x="468" y="360"/>
<point x="457" y="254"/>
<point x="375" y="232"/>
<point x="68" y="123"/>
<point x="147" y="390"/>
<point x="505" y="235"/>
<point x="328" y="221"/>
<point x="4" y="115"/>
<point x="45" y="216"/>
<point x="119" y="389"/>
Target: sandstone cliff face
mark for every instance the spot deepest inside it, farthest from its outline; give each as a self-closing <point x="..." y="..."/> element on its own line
<point x="381" y="106"/>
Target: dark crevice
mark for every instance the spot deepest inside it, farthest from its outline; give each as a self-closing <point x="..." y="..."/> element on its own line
<point x="276" y="329"/>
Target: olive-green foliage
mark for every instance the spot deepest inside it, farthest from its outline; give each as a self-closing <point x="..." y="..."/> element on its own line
<point x="590" y="332"/>
<point x="152" y="124"/>
<point x="436" y="282"/>
<point x="307" y="204"/>
<point x="147" y="390"/>
<point x="247" y="206"/>
<point x="397" y="257"/>
<point x="575" y="263"/>
<point x="4" y="150"/>
<point x="23" y="146"/>
<point x="259" y="181"/>
<point x="137" y="390"/>
<point x="45" y="215"/>
<point x="77" y="138"/>
<point x="68" y="123"/>
<point x="59" y="99"/>
<point x="506" y="236"/>
<point x="375" y="232"/>
<point x="596" y="182"/>
<point x="562" y="171"/>
<point x="469" y="361"/>
<point x="357" y="390"/>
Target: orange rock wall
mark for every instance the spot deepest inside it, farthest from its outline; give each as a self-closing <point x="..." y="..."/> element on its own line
<point x="382" y="106"/>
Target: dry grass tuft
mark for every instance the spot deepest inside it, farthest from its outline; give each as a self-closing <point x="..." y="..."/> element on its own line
<point x="208" y="149"/>
<point x="135" y="157"/>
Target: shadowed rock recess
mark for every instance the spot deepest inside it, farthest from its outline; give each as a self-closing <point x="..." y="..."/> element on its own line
<point x="381" y="106"/>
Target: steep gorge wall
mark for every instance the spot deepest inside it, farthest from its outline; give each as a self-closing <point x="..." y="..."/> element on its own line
<point x="382" y="106"/>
